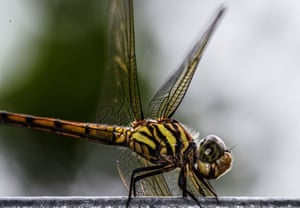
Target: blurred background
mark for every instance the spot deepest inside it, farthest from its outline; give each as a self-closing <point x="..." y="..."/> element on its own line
<point x="52" y="56"/>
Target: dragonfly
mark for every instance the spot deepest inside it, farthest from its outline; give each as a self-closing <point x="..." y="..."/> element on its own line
<point x="160" y="156"/>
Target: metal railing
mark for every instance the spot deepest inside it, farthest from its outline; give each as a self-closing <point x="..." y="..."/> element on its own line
<point x="97" y="202"/>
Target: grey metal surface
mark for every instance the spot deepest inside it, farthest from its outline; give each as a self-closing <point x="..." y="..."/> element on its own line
<point x="59" y="202"/>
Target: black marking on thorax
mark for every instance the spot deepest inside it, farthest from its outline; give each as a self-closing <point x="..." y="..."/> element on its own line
<point x="164" y="139"/>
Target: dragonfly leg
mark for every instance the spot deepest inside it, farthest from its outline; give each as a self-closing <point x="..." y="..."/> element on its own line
<point x="182" y="184"/>
<point x="145" y="172"/>
<point x="206" y="184"/>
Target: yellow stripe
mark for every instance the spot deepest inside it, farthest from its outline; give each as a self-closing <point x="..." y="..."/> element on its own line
<point x="137" y="148"/>
<point x="73" y="128"/>
<point x="43" y="122"/>
<point x="16" y="118"/>
<point x="123" y="135"/>
<point x="169" y="136"/>
<point x="143" y="139"/>
<point x="145" y="151"/>
<point x="146" y="130"/>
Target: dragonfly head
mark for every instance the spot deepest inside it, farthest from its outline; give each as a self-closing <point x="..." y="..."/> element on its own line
<point x="214" y="159"/>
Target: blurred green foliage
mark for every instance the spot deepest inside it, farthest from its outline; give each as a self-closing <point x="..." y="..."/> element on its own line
<point x="64" y="79"/>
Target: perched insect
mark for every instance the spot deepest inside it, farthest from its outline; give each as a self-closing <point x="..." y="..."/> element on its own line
<point x="157" y="148"/>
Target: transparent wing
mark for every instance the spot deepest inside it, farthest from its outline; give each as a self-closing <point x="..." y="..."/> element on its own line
<point x="169" y="96"/>
<point x="151" y="186"/>
<point x="120" y="100"/>
<point x="120" y="97"/>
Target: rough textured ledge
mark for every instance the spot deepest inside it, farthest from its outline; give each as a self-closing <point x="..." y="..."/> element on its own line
<point x="81" y="202"/>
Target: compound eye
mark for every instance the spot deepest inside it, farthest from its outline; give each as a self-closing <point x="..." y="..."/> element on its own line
<point x="211" y="148"/>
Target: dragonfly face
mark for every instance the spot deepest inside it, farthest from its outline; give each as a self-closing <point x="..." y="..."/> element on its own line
<point x="163" y="146"/>
<point x="214" y="160"/>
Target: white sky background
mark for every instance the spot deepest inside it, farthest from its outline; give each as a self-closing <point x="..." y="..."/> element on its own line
<point x="250" y="72"/>
<point x="15" y="16"/>
<point x="252" y="64"/>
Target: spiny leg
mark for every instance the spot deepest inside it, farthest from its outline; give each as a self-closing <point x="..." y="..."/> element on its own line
<point x="151" y="171"/>
<point x="182" y="183"/>
<point x="206" y="184"/>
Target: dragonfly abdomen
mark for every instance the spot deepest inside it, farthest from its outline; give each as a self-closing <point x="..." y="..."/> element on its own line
<point x="159" y="141"/>
<point x="99" y="133"/>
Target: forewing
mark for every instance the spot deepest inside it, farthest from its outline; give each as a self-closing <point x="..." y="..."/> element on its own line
<point x="120" y="100"/>
<point x="169" y="96"/>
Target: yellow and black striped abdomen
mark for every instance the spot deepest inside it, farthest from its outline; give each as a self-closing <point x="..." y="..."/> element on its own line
<point x="98" y="133"/>
<point x="159" y="141"/>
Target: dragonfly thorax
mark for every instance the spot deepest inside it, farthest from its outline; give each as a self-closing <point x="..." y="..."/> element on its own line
<point x="160" y="141"/>
<point x="213" y="159"/>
